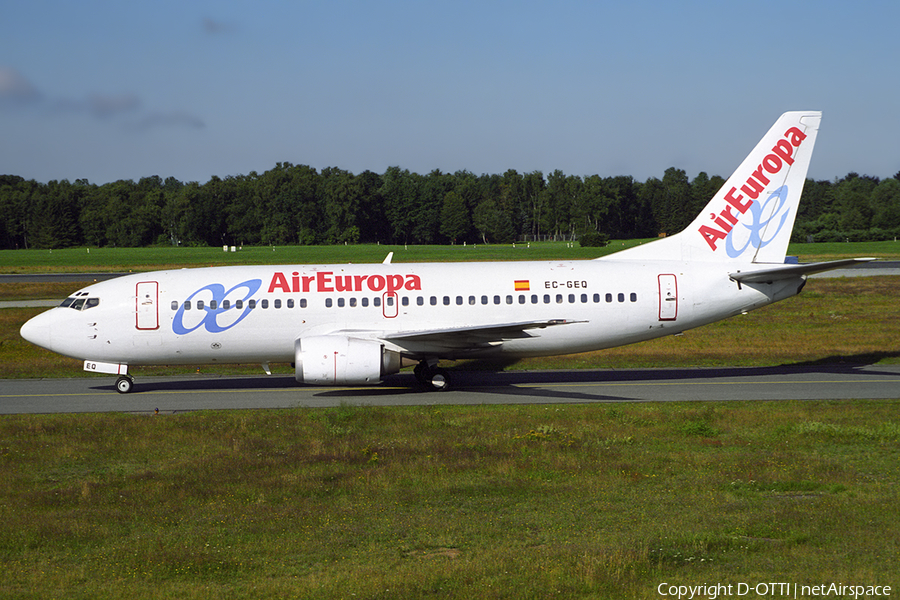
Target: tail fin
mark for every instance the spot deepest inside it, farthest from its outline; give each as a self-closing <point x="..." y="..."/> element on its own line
<point x="750" y="219"/>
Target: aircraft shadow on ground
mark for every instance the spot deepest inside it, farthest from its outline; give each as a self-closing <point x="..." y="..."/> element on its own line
<point x="524" y="384"/>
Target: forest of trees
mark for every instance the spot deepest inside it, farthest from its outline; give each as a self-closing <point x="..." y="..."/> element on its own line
<point x="295" y="204"/>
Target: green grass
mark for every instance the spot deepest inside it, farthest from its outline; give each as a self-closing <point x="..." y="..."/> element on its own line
<point x="581" y="501"/>
<point x="160" y="257"/>
<point x="142" y="259"/>
<point x="836" y="251"/>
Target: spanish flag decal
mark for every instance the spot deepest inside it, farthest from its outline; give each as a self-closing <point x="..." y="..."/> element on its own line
<point x="522" y="285"/>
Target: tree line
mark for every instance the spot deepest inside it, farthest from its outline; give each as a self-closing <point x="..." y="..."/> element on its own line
<point x="296" y="204"/>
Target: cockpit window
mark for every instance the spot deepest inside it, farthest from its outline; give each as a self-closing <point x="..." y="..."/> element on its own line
<point x="80" y="303"/>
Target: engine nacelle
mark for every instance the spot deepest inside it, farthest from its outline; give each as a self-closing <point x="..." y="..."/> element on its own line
<point x="342" y="360"/>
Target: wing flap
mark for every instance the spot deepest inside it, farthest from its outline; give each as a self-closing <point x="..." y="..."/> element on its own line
<point x="475" y="335"/>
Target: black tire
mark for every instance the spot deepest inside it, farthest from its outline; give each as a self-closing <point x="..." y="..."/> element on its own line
<point x="124" y="384"/>
<point x="421" y="372"/>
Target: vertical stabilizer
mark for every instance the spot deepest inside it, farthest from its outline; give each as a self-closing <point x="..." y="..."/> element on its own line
<point x="750" y="219"/>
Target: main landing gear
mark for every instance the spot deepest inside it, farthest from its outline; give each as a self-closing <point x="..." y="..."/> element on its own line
<point x="432" y="376"/>
<point x="124" y="384"/>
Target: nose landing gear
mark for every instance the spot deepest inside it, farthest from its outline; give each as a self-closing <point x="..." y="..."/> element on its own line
<point x="124" y="384"/>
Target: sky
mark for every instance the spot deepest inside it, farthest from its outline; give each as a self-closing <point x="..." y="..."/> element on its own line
<point x="115" y="90"/>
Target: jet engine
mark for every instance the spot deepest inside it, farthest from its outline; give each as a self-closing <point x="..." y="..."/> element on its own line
<point x="342" y="360"/>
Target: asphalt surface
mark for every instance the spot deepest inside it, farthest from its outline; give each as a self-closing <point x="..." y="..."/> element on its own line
<point x="187" y="393"/>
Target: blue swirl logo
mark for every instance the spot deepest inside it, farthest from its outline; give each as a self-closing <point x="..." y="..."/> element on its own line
<point x="757" y="231"/>
<point x="215" y="294"/>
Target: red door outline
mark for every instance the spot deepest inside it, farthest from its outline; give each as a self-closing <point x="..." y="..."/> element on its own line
<point x="668" y="297"/>
<point x="146" y="305"/>
<point x="390" y="305"/>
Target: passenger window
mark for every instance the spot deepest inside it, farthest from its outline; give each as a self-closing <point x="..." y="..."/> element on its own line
<point x="420" y="301"/>
<point x="302" y="302"/>
<point x="521" y="298"/>
<point x="340" y="302"/>
<point x="264" y="304"/>
<point x="596" y="297"/>
<point x="433" y="300"/>
<point x="534" y="298"/>
<point x="559" y="298"/>
<point x="571" y="298"/>
<point x="583" y="298"/>
<point x="404" y="301"/>
<point x="459" y="300"/>
<point x="290" y="303"/>
<point x="472" y="300"/>
<point x="484" y="299"/>
<point x="251" y="304"/>
<point x="365" y="301"/>
<point x="509" y="299"/>
<point x="187" y="304"/>
<point x="213" y="305"/>
<point x="239" y="304"/>
<point x="328" y="302"/>
<point x="546" y="298"/>
<point x="376" y="301"/>
<point x="621" y="297"/>
<point x="352" y="302"/>
<point x="609" y="297"/>
<point x="389" y="301"/>
<point x="174" y="304"/>
<point x="446" y="300"/>
<point x="633" y="297"/>
<point x="199" y="304"/>
<point x="496" y="299"/>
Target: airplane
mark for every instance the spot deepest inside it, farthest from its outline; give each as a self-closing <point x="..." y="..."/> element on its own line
<point x="352" y="324"/>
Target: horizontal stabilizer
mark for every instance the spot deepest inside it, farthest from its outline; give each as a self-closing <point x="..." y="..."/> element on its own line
<point x="789" y="271"/>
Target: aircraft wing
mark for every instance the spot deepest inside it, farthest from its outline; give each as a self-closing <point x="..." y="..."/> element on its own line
<point x="473" y="336"/>
<point x="789" y="271"/>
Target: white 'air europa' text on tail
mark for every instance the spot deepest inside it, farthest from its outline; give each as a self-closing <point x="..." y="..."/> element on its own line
<point x="751" y="217"/>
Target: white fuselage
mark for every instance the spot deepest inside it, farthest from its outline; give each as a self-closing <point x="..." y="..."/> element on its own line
<point x="257" y="313"/>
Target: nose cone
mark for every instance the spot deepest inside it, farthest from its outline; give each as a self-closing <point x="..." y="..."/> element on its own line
<point x="37" y="330"/>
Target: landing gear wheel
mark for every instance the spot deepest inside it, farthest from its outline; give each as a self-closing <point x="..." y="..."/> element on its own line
<point x="124" y="384"/>
<point x="440" y="379"/>
<point x="432" y="376"/>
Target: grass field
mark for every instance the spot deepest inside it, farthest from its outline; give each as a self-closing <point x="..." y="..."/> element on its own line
<point x="577" y="501"/>
<point x="160" y="257"/>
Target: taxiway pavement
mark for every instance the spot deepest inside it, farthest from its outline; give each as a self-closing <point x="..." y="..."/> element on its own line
<point x="187" y="393"/>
